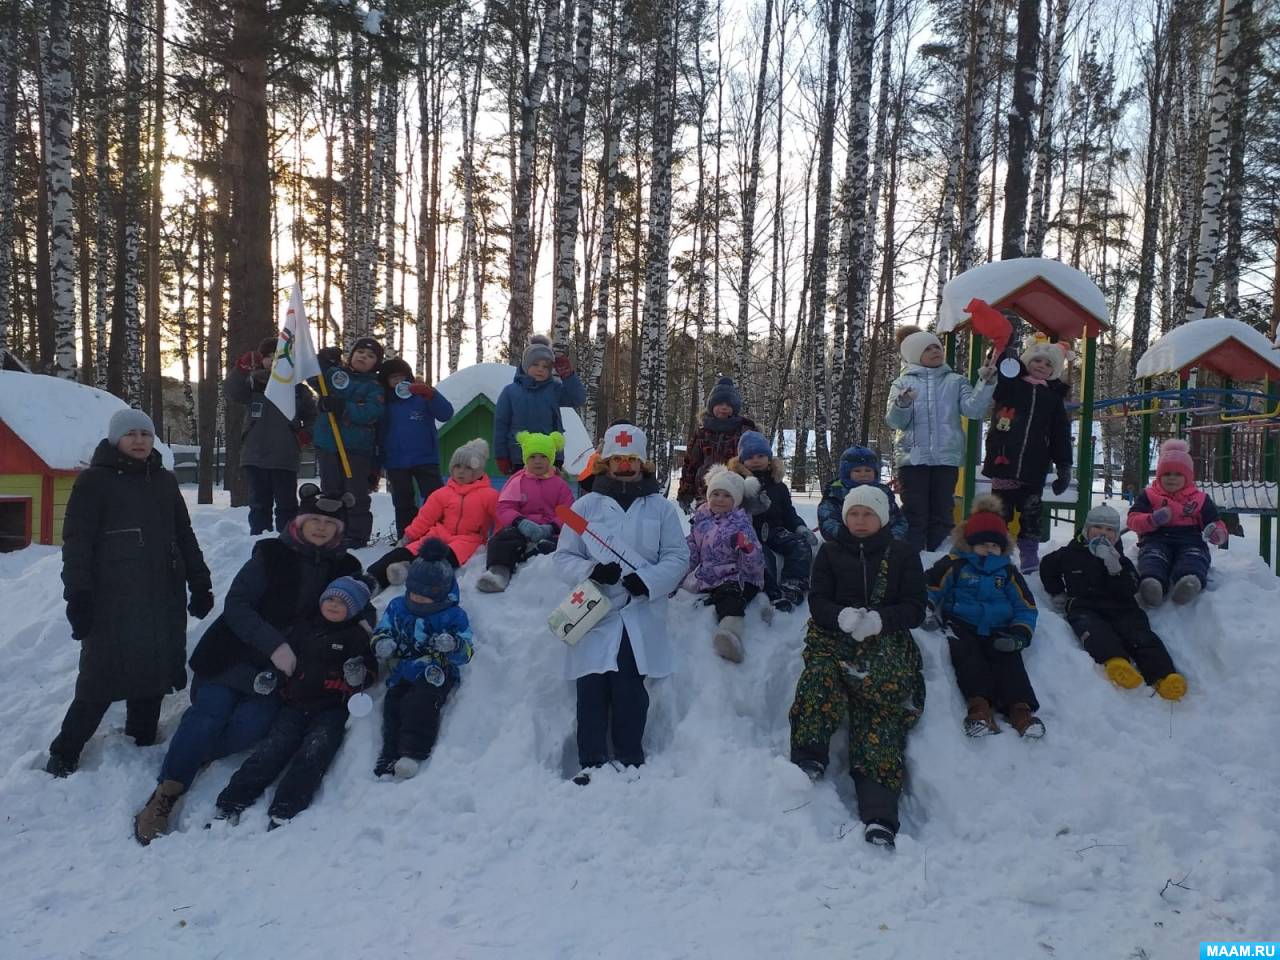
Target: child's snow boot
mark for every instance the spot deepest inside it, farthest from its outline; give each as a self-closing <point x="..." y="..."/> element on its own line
<point x="276" y="822"/>
<point x="406" y="768"/>
<point x="1028" y="554"/>
<point x="61" y="766"/>
<point x="1151" y="592"/>
<point x="153" y="820"/>
<point x="494" y="580"/>
<point x="385" y="767"/>
<point x="1186" y="589"/>
<point x="980" y="721"/>
<point x="728" y="638"/>
<point x="1122" y="673"/>
<point x="1172" y="686"/>
<point x="812" y="769"/>
<point x="879" y="834"/>
<point x="224" y="815"/>
<point x="583" y="776"/>
<point x="1025" y="722"/>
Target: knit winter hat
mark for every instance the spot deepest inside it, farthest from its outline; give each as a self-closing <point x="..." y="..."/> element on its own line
<point x="753" y="444"/>
<point x="725" y="392"/>
<point x="870" y="496"/>
<point x="986" y="524"/>
<point x="721" y="478"/>
<point x="539" y="348"/>
<point x="1175" y="457"/>
<point x="430" y="576"/>
<point x="122" y="421"/>
<point x="367" y="343"/>
<point x="1103" y="516"/>
<point x="314" y="502"/>
<point x="1045" y="351"/>
<point x="473" y="454"/>
<point x="914" y="345"/>
<point x="856" y="457"/>
<point x="354" y="593"/>
<point x="547" y="444"/>
<point x="268" y="345"/>
<point x="624" y="440"/>
<point x="395" y="367"/>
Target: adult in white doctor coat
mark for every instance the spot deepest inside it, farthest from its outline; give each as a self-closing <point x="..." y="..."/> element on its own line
<point x="632" y="642"/>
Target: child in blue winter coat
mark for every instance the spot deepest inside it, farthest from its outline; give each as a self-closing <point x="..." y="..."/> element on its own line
<point x="408" y="439"/>
<point x="532" y="401"/>
<point x="989" y="616"/>
<point x="858" y="465"/>
<point x="427" y="636"/>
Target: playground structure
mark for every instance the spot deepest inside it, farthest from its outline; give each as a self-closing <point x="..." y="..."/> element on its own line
<point x="1055" y="300"/>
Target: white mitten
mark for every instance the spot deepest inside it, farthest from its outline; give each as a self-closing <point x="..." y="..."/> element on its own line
<point x="849" y="618"/>
<point x="868" y="626"/>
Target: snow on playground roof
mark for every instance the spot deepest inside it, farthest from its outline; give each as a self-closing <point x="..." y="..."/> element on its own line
<point x="60" y="420"/>
<point x="1048" y="294"/>
<point x="489" y="379"/>
<point x="1230" y="348"/>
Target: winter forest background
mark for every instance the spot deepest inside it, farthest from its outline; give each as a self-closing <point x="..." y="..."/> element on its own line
<point x="673" y="188"/>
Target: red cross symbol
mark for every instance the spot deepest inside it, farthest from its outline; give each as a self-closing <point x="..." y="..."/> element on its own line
<point x="577" y="598"/>
<point x="624" y="439"/>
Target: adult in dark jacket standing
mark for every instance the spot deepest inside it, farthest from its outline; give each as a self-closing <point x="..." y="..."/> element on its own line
<point x="278" y="587"/>
<point x="269" y="443"/>
<point x="128" y="557"/>
<point x="860" y="661"/>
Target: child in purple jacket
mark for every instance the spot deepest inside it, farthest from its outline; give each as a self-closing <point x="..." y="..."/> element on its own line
<point x="725" y="557"/>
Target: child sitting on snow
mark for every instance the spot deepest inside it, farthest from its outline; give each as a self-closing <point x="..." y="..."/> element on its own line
<point x="527" y="510"/>
<point x="334" y="660"/>
<point x="460" y="514"/>
<point x="1173" y="518"/>
<point x="778" y="527"/>
<point x="858" y="465"/>
<point x="725" y="559"/>
<point x="1092" y="583"/>
<point x="860" y="660"/>
<point x="989" y="616"/>
<point x="427" y="636"/>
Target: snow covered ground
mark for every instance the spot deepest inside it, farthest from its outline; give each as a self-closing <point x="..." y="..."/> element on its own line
<point x="1134" y="830"/>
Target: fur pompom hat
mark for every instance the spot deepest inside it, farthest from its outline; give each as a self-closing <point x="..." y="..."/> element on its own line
<point x="1049" y="352"/>
<point x="539" y="349"/>
<point x="986" y="523"/>
<point x="1175" y="457"/>
<point x="738" y="487"/>
<point x="473" y="454"/>
<point x="914" y="345"/>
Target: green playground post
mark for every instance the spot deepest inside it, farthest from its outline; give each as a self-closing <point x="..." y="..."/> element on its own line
<point x="1084" y="455"/>
<point x="1269" y="476"/>
<point x="973" y="430"/>
<point x="1144" y="454"/>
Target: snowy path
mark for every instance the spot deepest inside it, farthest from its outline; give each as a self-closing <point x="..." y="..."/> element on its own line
<point x="721" y="849"/>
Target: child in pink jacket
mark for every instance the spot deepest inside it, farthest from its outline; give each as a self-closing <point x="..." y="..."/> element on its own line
<point x="527" y="510"/>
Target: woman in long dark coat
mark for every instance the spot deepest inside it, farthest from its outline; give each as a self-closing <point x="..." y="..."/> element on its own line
<point x="129" y="556"/>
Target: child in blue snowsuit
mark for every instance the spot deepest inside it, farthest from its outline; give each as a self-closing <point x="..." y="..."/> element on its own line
<point x="989" y="615"/>
<point x="532" y="401"/>
<point x="408" y="439"/>
<point x="858" y="465"/>
<point x="428" y="637"/>
<point x="788" y="541"/>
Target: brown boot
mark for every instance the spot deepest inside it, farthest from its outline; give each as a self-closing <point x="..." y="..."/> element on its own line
<point x="153" y="820"/>
<point x="1022" y="719"/>
<point x="980" y="721"/>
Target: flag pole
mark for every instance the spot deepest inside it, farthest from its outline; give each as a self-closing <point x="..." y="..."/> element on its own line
<point x="333" y="425"/>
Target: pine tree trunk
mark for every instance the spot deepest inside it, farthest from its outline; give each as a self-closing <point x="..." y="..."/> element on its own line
<point x="9" y="43"/>
<point x="1054" y="56"/>
<point x="153" y="390"/>
<point x="1017" y="179"/>
<point x="211" y="376"/>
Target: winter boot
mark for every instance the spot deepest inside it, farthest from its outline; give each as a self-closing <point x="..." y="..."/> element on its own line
<point x="153" y="820"/>
<point x="385" y="767"/>
<point x="812" y="769"/>
<point x="1028" y="554"/>
<point x="980" y="721"/>
<point x="879" y="834"/>
<point x="61" y="766"/>
<point x="494" y="580"/>
<point x="1172" y="687"/>
<point x="224" y="815"/>
<point x="406" y="768"/>
<point x="1186" y="589"/>
<point x="1151" y="592"/>
<point x="1025" y="722"/>
<point x="276" y="822"/>
<point x="728" y="639"/>
<point x="1122" y="673"/>
<point x="583" y="776"/>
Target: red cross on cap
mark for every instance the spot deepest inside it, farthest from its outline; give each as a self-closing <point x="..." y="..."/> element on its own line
<point x="576" y="598"/>
<point x="623" y="438"/>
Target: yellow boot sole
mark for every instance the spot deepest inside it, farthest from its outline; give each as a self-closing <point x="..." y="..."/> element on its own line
<point x="1172" y="687"/>
<point x="1123" y="673"/>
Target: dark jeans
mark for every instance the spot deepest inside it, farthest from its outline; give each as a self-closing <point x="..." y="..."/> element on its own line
<point x="304" y="742"/>
<point x="615" y="702"/>
<point x="1125" y="634"/>
<point x="795" y="558"/>
<point x="1169" y="559"/>
<point x="400" y="481"/>
<point x="1026" y="500"/>
<point x="928" y="501"/>
<point x="730" y="599"/>
<point x="875" y="800"/>
<point x="220" y="721"/>
<point x="84" y="716"/>
<point x="378" y="569"/>
<point x="984" y="671"/>
<point x="333" y="480"/>
<point x="268" y="488"/>
<point x="411" y="719"/>
<point x="507" y="549"/>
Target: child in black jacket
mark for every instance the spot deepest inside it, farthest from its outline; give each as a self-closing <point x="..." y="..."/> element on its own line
<point x="334" y="661"/>
<point x="1093" y="584"/>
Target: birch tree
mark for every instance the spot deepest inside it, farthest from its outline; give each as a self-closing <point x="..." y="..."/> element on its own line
<point x="9" y="39"/>
<point x="975" y="113"/>
<point x="56" y="50"/>
<point x="1051" y="67"/>
<point x="124" y="367"/>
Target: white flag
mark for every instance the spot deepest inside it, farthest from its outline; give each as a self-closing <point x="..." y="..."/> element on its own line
<point x="295" y="360"/>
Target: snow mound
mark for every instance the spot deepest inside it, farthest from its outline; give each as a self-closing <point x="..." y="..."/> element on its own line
<point x="720" y="848"/>
<point x="994" y="281"/>
<point x="1248" y="351"/>
<point x="61" y="420"/>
